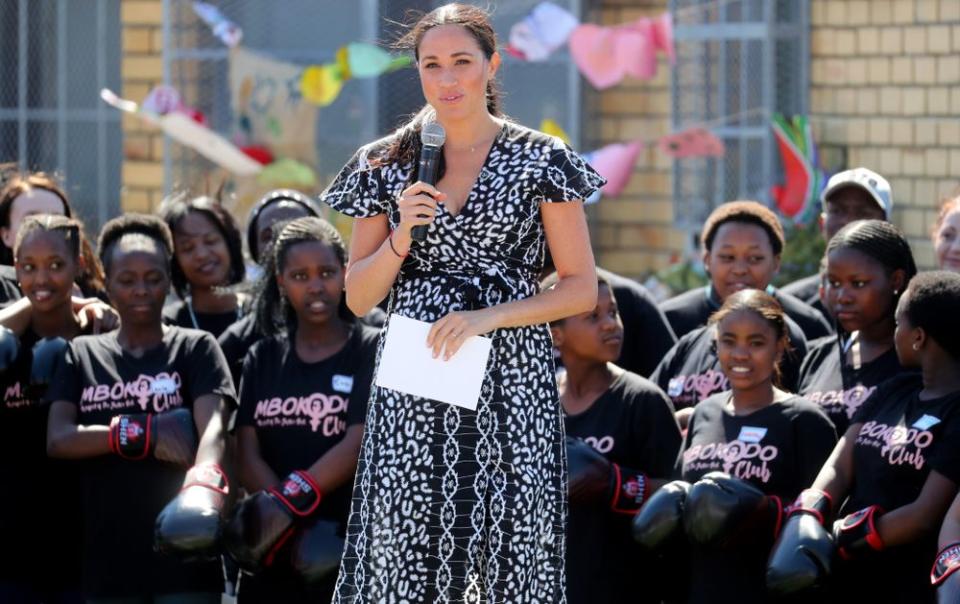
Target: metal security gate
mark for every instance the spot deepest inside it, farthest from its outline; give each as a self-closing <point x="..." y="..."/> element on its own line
<point x="310" y="31"/>
<point x="738" y="63"/>
<point x="58" y="54"/>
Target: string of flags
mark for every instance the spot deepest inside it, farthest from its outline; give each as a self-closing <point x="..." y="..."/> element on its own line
<point x="605" y="55"/>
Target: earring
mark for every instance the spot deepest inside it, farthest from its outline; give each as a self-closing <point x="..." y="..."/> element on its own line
<point x="896" y="292"/>
<point x="916" y="346"/>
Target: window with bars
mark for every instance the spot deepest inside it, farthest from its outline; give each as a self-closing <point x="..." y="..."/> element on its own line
<point x="738" y="63"/>
<point x="58" y="54"/>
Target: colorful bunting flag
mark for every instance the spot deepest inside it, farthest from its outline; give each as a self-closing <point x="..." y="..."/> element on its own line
<point x="693" y="142"/>
<point x="543" y="31"/>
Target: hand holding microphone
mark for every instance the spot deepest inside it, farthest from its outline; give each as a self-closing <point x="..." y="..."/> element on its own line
<point x="418" y="202"/>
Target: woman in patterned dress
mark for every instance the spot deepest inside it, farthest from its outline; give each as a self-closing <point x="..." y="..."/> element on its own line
<point x="452" y="505"/>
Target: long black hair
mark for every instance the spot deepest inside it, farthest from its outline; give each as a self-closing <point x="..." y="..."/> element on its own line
<point x="271" y="308"/>
<point x="176" y="207"/>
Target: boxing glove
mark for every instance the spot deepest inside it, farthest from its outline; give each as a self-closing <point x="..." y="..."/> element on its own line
<point x="263" y="522"/>
<point x="660" y="521"/>
<point x="46" y="355"/>
<point x="722" y="511"/>
<point x="594" y="479"/>
<point x="189" y="526"/>
<point x="856" y="535"/>
<point x="943" y="576"/>
<point x="803" y="554"/>
<point x="169" y="436"/>
<point x="316" y="551"/>
<point x="9" y="348"/>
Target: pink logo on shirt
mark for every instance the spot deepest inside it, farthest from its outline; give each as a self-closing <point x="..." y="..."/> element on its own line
<point x="152" y="394"/>
<point x="703" y="385"/>
<point x="849" y="400"/>
<point x="742" y="460"/>
<point x="899" y="445"/>
<point x="321" y="411"/>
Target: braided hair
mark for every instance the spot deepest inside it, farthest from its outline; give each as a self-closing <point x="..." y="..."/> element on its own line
<point x="70" y="229"/>
<point x="271" y="308"/>
<point x="881" y="241"/>
<point x="272" y="197"/>
<point x="932" y="305"/>
<point x="142" y="225"/>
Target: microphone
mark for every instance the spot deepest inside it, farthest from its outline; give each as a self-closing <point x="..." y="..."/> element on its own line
<point x="432" y="137"/>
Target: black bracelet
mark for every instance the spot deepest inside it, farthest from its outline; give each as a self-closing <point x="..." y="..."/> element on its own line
<point x="393" y="249"/>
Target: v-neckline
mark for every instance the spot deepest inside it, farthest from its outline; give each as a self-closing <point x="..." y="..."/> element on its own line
<point x="480" y="176"/>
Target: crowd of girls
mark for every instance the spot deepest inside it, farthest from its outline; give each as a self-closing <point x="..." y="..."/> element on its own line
<point x="777" y="451"/>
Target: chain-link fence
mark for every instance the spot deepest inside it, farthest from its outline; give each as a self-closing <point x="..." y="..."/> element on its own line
<point x="57" y="55"/>
<point x="738" y="63"/>
<point x="305" y="32"/>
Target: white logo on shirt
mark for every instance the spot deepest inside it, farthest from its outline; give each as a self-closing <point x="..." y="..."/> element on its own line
<point x="926" y="422"/>
<point x="163" y="385"/>
<point x="751" y="434"/>
<point x="343" y="383"/>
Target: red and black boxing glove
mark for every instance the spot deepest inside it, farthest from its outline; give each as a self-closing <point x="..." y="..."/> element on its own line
<point x="856" y="535"/>
<point x="263" y="522"/>
<point x="189" y="527"/>
<point x="724" y="511"/>
<point x="943" y="576"/>
<point x="595" y="479"/>
<point x="803" y="554"/>
<point x="169" y="436"/>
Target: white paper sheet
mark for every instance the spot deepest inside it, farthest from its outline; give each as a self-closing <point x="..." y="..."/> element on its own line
<point x="407" y="365"/>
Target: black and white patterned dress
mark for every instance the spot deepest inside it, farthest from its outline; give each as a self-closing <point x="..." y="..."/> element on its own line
<point x="452" y="505"/>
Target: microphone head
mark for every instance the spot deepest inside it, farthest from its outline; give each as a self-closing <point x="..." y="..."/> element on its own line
<point x="433" y="135"/>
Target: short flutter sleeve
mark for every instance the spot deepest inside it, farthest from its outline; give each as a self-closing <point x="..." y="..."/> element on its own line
<point x="567" y="176"/>
<point x="356" y="189"/>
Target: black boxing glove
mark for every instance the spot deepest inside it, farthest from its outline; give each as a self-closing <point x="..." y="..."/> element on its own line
<point x="316" y="551"/>
<point x="189" y="526"/>
<point x="46" y="354"/>
<point x="660" y="521"/>
<point x="722" y="510"/>
<point x="263" y="522"/>
<point x="856" y="535"/>
<point x="942" y="574"/>
<point x="9" y="348"/>
<point x="803" y="554"/>
<point x="169" y="436"/>
<point x="593" y="478"/>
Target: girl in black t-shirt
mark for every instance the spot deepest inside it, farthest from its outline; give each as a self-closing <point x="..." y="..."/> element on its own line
<point x="40" y="558"/>
<point x="894" y="473"/>
<point x="208" y="259"/>
<point x="302" y="404"/>
<point x="869" y="264"/>
<point x="133" y="405"/>
<point x="745" y="451"/>
<point x="621" y="420"/>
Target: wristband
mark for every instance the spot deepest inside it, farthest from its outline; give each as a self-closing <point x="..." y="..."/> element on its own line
<point x="298" y="493"/>
<point x="857" y="534"/>
<point x="948" y="560"/>
<point x="814" y="502"/>
<point x="208" y="475"/>
<point x="130" y="435"/>
<point x="630" y="490"/>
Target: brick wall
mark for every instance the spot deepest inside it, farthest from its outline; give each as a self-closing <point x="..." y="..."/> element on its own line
<point x="632" y="233"/>
<point x="141" y="70"/>
<point x="885" y="94"/>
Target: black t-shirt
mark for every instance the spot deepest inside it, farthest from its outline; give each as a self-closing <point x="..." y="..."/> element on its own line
<point x="41" y="535"/>
<point x="827" y="379"/>
<point x="9" y="286"/>
<point x="300" y="410"/>
<point x="647" y="335"/>
<point x="178" y="313"/>
<point x="900" y="440"/>
<point x="778" y="449"/>
<point x="807" y="290"/>
<point x="631" y="424"/>
<point x="691" y="370"/>
<point x="121" y="498"/>
<point x="692" y="309"/>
